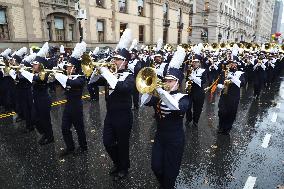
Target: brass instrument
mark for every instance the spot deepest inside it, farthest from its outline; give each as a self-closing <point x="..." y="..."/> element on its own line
<point x="215" y="46"/>
<point x="189" y="82"/>
<point x="223" y="45"/>
<point x="147" y="81"/>
<point x="88" y="65"/>
<point x="227" y="81"/>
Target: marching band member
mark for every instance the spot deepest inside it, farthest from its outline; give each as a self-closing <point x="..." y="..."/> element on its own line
<point x="259" y="75"/>
<point x="195" y="89"/>
<point x="41" y="97"/>
<point x="119" y="118"/>
<point x="24" y="98"/>
<point x="8" y="84"/>
<point x="135" y="66"/>
<point x="231" y="82"/>
<point x="73" y="112"/>
<point x="160" y="66"/>
<point x="171" y="106"/>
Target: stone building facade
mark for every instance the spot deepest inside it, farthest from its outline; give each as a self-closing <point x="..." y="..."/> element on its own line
<point x="32" y="22"/>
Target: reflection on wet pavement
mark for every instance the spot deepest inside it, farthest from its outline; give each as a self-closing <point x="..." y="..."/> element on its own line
<point x="209" y="160"/>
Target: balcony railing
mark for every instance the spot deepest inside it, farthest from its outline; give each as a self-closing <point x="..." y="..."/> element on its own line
<point x="60" y="2"/>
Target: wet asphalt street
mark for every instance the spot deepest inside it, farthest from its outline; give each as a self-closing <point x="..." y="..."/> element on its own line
<point x="253" y="156"/>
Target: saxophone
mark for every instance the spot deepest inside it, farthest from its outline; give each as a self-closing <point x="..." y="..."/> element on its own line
<point x="227" y="81"/>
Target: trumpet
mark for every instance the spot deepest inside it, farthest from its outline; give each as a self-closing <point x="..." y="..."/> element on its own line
<point x="147" y="81"/>
<point x="88" y="65"/>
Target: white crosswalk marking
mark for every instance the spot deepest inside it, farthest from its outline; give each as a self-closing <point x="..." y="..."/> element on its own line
<point x="274" y="117"/>
<point x="266" y="140"/>
<point x="250" y="182"/>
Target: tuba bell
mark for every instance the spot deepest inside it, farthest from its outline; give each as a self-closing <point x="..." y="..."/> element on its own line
<point x="147" y="81"/>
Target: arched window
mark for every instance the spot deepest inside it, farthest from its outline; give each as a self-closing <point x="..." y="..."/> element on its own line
<point x="140" y="4"/>
<point x="60" y="27"/>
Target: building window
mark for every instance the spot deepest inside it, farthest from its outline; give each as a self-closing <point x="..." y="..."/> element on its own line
<point x="165" y="11"/>
<point x="122" y="6"/>
<point x="59" y="29"/>
<point x="122" y="27"/>
<point x="206" y="8"/>
<point x="140" y="4"/>
<point x="4" y="34"/>
<point x="100" y="28"/>
<point x="71" y="32"/>
<point x="49" y="32"/>
<point x="141" y="34"/>
<point x="179" y="16"/>
<point x="179" y="37"/>
<point x="100" y="3"/>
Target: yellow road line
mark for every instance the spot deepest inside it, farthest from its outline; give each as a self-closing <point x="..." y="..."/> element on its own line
<point x="56" y="103"/>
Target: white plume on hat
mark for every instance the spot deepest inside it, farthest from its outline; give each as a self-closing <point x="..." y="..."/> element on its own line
<point x="6" y="53"/>
<point x="133" y="45"/>
<point x="79" y="49"/>
<point x="62" y="49"/>
<point x="44" y="50"/>
<point x="235" y="50"/>
<point x="178" y="58"/>
<point x="262" y="47"/>
<point x="96" y="51"/>
<point x="125" y="40"/>
<point x="30" y="58"/>
<point x="196" y="49"/>
<point x="31" y="51"/>
<point x="21" y="51"/>
<point x="159" y="44"/>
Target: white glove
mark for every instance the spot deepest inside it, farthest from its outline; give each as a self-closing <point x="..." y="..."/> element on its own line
<point x="220" y="86"/>
<point x="171" y="103"/>
<point x="111" y="79"/>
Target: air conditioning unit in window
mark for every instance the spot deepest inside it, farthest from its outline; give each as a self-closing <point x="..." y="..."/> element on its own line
<point x="82" y="14"/>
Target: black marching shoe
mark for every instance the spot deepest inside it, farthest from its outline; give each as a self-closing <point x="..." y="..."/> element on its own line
<point x="28" y="130"/>
<point x="194" y="124"/>
<point x="66" y="152"/>
<point x="81" y="150"/>
<point x="113" y="171"/>
<point x="120" y="175"/>
<point x="46" y="140"/>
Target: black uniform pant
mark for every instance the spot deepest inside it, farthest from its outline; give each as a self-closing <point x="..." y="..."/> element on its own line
<point x="227" y="112"/>
<point x="42" y="105"/>
<point x="25" y="105"/>
<point x="116" y="134"/>
<point x="9" y="93"/>
<point x="167" y="154"/>
<point x="93" y="91"/>
<point x="197" y="99"/>
<point x="257" y="89"/>
<point x="135" y="97"/>
<point x="73" y="115"/>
